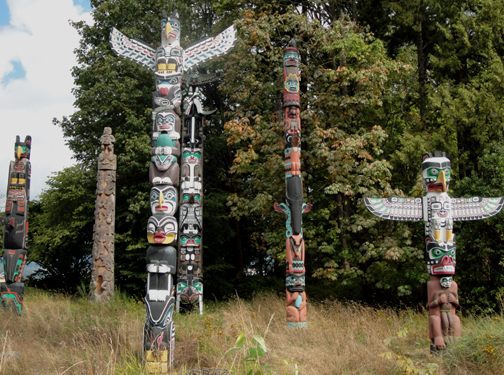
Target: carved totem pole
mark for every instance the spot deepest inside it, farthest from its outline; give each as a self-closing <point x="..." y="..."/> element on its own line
<point x="438" y="211"/>
<point x="15" y="233"/>
<point x="190" y="261"/>
<point x="293" y="206"/>
<point x="102" y="264"/>
<point x="169" y="62"/>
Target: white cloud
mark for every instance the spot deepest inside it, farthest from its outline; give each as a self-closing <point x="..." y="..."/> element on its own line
<point x="41" y="39"/>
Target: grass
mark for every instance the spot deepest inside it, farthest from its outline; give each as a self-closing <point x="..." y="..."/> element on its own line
<point x="63" y="335"/>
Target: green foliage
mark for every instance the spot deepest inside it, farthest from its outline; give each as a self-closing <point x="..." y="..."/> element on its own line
<point x="61" y="229"/>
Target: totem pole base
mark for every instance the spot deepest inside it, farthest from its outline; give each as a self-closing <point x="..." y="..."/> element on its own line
<point x="297" y="325"/>
<point x="156" y="363"/>
<point x="11" y="296"/>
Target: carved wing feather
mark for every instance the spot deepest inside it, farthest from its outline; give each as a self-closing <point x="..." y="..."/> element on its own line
<point x="133" y="49"/>
<point x="409" y="209"/>
<point x="475" y="208"/>
<point x="209" y="48"/>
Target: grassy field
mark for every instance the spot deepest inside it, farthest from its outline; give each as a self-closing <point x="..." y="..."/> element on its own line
<point x="63" y="335"/>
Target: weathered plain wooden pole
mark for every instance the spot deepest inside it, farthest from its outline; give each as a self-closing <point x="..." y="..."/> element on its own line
<point x="102" y="265"/>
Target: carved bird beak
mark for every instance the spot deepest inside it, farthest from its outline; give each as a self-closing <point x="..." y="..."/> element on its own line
<point x="442" y="180"/>
<point x="168" y="29"/>
<point x="19" y="151"/>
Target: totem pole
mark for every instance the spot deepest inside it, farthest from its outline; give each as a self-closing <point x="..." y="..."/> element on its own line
<point x="190" y="261"/>
<point x="102" y="264"/>
<point x="15" y="233"/>
<point x="293" y="206"/>
<point x="438" y="211"/>
<point x="168" y="62"/>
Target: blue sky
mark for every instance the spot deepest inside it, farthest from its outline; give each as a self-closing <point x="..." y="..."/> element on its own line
<point x="18" y="71"/>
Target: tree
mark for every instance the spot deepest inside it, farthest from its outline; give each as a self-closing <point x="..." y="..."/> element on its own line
<point x="61" y="229"/>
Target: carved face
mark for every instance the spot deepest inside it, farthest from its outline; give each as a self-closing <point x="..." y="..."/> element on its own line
<point x="162" y="229"/>
<point x="170" y="31"/>
<point x="22" y="149"/>
<point x="163" y="200"/>
<point x="163" y="162"/>
<point x="292" y="83"/>
<point x="291" y="58"/>
<point x="168" y="60"/>
<point x="190" y="290"/>
<point x="168" y="93"/>
<point x="446" y="282"/>
<point x="165" y="121"/>
<point x="191" y="156"/>
<point x="441" y="259"/>
<point x="188" y="240"/>
<point x="189" y="198"/>
<point x="436" y="174"/>
<point x="295" y="283"/>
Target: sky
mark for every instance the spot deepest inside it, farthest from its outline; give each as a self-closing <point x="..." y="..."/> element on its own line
<point x="36" y="57"/>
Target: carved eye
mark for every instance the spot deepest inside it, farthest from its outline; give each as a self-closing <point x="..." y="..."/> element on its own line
<point x="447" y="171"/>
<point x="169" y="227"/>
<point x="453" y="253"/>
<point x="436" y="206"/>
<point x="151" y="228"/>
<point x="437" y="252"/>
<point x="434" y="171"/>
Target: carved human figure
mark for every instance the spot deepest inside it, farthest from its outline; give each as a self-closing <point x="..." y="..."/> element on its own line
<point x="443" y="301"/>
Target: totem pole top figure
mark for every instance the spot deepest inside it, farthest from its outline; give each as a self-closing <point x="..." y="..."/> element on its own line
<point x="169" y="61"/>
<point x="22" y="149"/>
<point x="438" y="211"/>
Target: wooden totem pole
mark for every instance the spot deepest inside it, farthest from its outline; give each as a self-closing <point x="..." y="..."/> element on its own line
<point x="438" y="211"/>
<point x="293" y="206"/>
<point x="168" y="63"/>
<point x="102" y="265"/>
<point x="190" y="261"/>
<point x="15" y="233"/>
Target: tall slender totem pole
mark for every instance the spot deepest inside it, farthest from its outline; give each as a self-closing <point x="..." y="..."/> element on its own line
<point x="438" y="211"/>
<point x="293" y="206"/>
<point x="102" y="264"/>
<point x="15" y="233"/>
<point x="168" y="63"/>
<point x="190" y="261"/>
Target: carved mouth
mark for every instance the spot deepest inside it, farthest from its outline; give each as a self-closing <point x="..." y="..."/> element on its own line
<point x="436" y="187"/>
<point x="159" y="237"/>
<point x="444" y="270"/>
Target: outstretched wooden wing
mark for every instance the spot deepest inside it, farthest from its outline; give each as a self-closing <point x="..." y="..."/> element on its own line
<point x="133" y="49"/>
<point x="408" y="209"/>
<point x="209" y="48"/>
<point x="475" y="208"/>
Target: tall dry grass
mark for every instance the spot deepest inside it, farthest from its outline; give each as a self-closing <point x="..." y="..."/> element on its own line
<point x="62" y="335"/>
